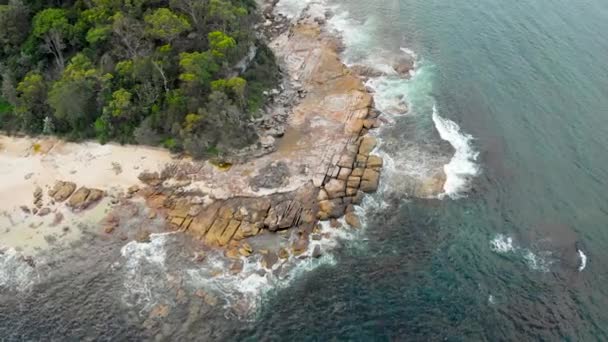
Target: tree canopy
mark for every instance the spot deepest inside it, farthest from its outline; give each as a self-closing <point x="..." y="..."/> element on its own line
<point x="139" y="71"/>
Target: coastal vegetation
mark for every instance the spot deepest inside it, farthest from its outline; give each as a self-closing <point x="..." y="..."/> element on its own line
<point x="185" y="74"/>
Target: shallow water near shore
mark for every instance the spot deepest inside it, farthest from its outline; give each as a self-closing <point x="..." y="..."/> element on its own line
<point x="510" y="95"/>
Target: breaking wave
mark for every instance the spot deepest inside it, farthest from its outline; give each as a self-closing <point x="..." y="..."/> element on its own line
<point x="462" y="167"/>
<point x="583" y="260"/>
<point x="15" y="272"/>
<point x="539" y="261"/>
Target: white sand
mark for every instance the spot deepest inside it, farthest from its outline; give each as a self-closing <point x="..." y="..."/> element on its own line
<point x="89" y="164"/>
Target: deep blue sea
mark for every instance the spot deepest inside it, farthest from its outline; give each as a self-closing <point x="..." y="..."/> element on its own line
<point x="526" y="82"/>
<point x="509" y="100"/>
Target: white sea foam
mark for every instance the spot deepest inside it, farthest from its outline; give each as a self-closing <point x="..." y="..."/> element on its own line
<point x="583" y="260"/>
<point x="540" y="261"/>
<point x="462" y="168"/>
<point x="145" y="274"/>
<point x="292" y="8"/>
<point x="502" y="244"/>
<point x="537" y="262"/>
<point x="15" y="273"/>
<point x="244" y="292"/>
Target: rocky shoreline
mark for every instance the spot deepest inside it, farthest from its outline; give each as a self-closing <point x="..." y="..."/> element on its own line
<point x="349" y="169"/>
<point x="316" y="166"/>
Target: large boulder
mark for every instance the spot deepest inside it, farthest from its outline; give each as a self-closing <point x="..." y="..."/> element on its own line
<point x="331" y="209"/>
<point x="352" y="219"/>
<point x="300" y="246"/>
<point x="370" y="180"/>
<point x="374" y="161"/>
<point x="62" y="191"/>
<point x="403" y="65"/>
<point x="84" y="197"/>
<point x="368" y="143"/>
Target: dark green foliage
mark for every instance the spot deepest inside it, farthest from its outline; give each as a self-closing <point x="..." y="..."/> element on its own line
<point x="159" y="72"/>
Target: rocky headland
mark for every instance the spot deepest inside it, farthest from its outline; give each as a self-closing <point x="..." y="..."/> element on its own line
<point x="317" y="164"/>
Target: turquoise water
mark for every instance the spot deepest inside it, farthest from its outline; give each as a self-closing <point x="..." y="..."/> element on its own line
<point x="529" y="82"/>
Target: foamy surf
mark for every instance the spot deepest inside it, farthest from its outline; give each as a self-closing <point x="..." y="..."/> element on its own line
<point x="144" y="272"/>
<point x="540" y="261"/>
<point x="583" y="258"/>
<point x="15" y="272"/>
<point x="151" y="275"/>
<point x="462" y="167"/>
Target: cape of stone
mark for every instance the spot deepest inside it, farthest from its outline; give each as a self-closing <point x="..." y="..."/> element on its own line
<point x="321" y="166"/>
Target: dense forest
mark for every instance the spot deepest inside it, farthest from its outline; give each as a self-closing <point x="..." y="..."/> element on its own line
<point x="186" y="74"/>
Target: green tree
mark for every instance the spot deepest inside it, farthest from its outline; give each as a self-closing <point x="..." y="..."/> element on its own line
<point x="52" y="26"/>
<point x="130" y="34"/>
<point x="199" y="67"/>
<point x="221" y="44"/>
<point x="14" y="25"/>
<point x="119" y="118"/>
<point x="31" y="102"/>
<point x="165" y="25"/>
<point x="235" y="87"/>
<point x="79" y="83"/>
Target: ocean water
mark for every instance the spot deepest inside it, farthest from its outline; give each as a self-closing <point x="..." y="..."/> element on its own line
<point x="509" y="99"/>
<point x="516" y="247"/>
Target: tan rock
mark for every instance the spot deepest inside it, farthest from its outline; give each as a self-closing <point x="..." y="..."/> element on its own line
<point x="370" y="175"/>
<point x="247" y="247"/>
<point x="358" y="172"/>
<point x="353" y="182"/>
<point x="352" y="219"/>
<point x="335" y="188"/>
<point x="133" y="189"/>
<point x="232" y="253"/>
<point x="370" y="180"/>
<point x="228" y="232"/>
<point x="374" y="162"/>
<point x="215" y="232"/>
<point x="350" y="192"/>
<point x="44" y="211"/>
<point x="201" y="223"/>
<point x="354" y="126"/>
<point x="236" y="267"/>
<point x="84" y="198"/>
<point x="322" y="196"/>
<point x="368" y="144"/>
<point x="346" y="160"/>
<point x="369" y="186"/>
<point x="94" y="196"/>
<point x="369" y="123"/>
<point x="300" y="246"/>
<point x="283" y="253"/>
<point x="38" y="193"/>
<point x="79" y="197"/>
<point x="344" y="173"/>
<point x="246" y="229"/>
<point x="62" y="191"/>
<point x="177" y="221"/>
<point x="331" y="209"/>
